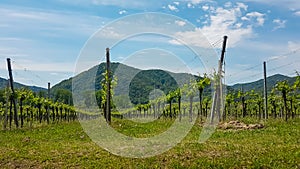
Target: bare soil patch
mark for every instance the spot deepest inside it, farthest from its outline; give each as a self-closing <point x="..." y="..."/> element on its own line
<point x="237" y="125"/>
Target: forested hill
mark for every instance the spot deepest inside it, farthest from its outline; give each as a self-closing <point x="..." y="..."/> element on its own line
<point x="258" y="85"/>
<point x="126" y="76"/>
<point x="4" y="82"/>
<point x="127" y="73"/>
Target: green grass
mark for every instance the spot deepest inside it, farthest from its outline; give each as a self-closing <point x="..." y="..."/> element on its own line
<point x="67" y="146"/>
<point x="142" y="130"/>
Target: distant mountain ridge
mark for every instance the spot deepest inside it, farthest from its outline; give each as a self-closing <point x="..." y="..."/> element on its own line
<point x="95" y="75"/>
<point x="130" y="71"/>
<point x="258" y="85"/>
<point x="130" y="81"/>
<point x="4" y="83"/>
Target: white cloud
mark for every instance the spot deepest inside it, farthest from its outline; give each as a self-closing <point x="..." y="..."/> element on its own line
<point x="33" y="39"/>
<point x="51" y="22"/>
<point x="279" y="24"/>
<point x="238" y="25"/>
<point x="176" y="3"/>
<point x="122" y="12"/>
<point x="258" y="17"/>
<point x="172" y="8"/>
<point x="133" y="4"/>
<point x="13" y="39"/>
<point x="244" y="18"/>
<point x="228" y="5"/>
<point x="110" y="33"/>
<point x="242" y="6"/>
<point x="276" y="57"/>
<point x="189" y="5"/>
<point x="195" y="2"/>
<point x="222" y="22"/>
<point x="30" y="64"/>
<point x="290" y="4"/>
<point x="292" y="46"/>
<point x="28" y="15"/>
<point x="297" y="13"/>
<point x="180" y="23"/>
<point x="287" y="60"/>
<point x="205" y="7"/>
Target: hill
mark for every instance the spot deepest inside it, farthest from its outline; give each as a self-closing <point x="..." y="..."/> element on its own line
<point x="132" y="82"/>
<point x="92" y="78"/>
<point x="125" y="75"/>
<point x="258" y="85"/>
<point x="131" y="79"/>
<point x="4" y="82"/>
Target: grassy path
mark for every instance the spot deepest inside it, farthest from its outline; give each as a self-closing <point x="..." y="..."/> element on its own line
<point x="67" y="146"/>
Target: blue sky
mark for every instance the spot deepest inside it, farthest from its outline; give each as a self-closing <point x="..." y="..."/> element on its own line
<point x="44" y="38"/>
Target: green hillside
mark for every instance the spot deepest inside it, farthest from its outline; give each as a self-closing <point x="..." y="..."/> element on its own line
<point x="4" y="83"/>
<point x="134" y="82"/>
<point x="125" y="74"/>
<point x="258" y="85"/>
<point x="130" y="81"/>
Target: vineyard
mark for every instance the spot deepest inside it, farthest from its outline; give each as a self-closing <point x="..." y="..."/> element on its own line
<point x="155" y="102"/>
<point x="193" y="100"/>
<point x="283" y="103"/>
<point x="32" y="108"/>
<point x="42" y="129"/>
<point x="150" y="84"/>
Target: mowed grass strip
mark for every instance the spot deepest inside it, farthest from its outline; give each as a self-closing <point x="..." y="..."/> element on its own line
<point x="67" y="146"/>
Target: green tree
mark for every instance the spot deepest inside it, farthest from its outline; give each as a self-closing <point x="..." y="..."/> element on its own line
<point x="2" y="96"/>
<point x="23" y="95"/>
<point x="273" y="101"/>
<point x="6" y="99"/>
<point x="257" y="102"/>
<point x="169" y="98"/>
<point x="29" y="106"/>
<point x="172" y="96"/>
<point x="294" y="94"/>
<point x="99" y="98"/>
<point x="296" y="85"/>
<point x="47" y="104"/>
<point x="103" y="92"/>
<point x="242" y="96"/>
<point x="284" y="88"/>
<point x="177" y="95"/>
<point x="63" y="96"/>
<point x="39" y="103"/>
<point x="189" y="90"/>
<point x="229" y="101"/>
<point x="201" y="84"/>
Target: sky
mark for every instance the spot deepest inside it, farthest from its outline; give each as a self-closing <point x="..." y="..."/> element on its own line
<point x="45" y="39"/>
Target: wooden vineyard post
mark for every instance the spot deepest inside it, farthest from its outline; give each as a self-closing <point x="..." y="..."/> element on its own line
<point x="48" y="90"/>
<point x="265" y="92"/>
<point x="108" y="85"/>
<point x="48" y="104"/>
<point x="13" y="92"/>
<point x="218" y="94"/>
